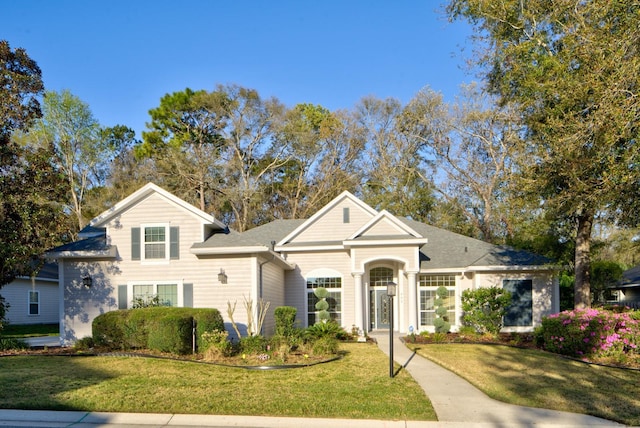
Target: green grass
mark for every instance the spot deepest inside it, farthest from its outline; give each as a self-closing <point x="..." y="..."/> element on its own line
<point x="30" y="330"/>
<point x="357" y="386"/>
<point x="535" y="378"/>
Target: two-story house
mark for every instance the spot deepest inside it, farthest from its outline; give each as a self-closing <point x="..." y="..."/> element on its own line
<point x="153" y="244"/>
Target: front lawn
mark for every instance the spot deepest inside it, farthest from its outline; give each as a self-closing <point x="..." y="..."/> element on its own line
<point x="357" y="386"/>
<point x="535" y="378"/>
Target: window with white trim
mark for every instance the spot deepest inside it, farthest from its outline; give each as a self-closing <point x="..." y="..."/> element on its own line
<point x="155" y="242"/>
<point x="34" y="302"/>
<point x="334" y="286"/>
<point x="428" y="285"/>
<point x="167" y="292"/>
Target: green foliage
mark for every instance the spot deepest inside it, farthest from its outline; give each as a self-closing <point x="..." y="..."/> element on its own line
<point x="84" y="344"/>
<point x="324" y="329"/>
<point x="216" y="344"/>
<point x="133" y="328"/>
<point x="171" y="333"/>
<point x="285" y="317"/>
<point x="603" y="274"/>
<point x="3" y="312"/>
<point x="484" y="308"/>
<point x="322" y="305"/>
<point x="8" y="343"/>
<point x="253" y="344"/>
<point x="441" y="324"/>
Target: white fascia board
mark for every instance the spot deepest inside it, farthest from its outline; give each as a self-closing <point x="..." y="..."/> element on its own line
<point x="385" y="242"/>
<point x="511" y="268"/>
<point x="297" y="248"/>
<point x="147" y="190"/>
<point x="81" y="254"/>
<point x="229" y="250"/>
<point x="384" y="214"/>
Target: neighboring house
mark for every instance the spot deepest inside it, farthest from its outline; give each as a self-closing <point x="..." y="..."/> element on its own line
<point x="154" y="244"/>
<point x="34" y="300"/>
<point x="627" y="290"/>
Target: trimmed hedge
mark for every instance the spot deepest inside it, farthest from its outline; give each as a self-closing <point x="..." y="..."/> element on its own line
<point x="165" y="329"/>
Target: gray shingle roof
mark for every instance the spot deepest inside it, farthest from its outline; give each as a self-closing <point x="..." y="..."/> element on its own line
<point x="447" y="249"/>
<point x="258" y="236"/>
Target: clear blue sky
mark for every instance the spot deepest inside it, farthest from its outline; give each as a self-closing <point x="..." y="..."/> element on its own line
<point x="121" y="57"/>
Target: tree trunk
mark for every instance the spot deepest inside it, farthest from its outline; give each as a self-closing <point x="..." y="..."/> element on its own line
<point x="582" y="296"/>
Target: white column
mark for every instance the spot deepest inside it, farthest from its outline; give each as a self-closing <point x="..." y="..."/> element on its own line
<point x="359" y="301"/>
<point x="413" y="301"/>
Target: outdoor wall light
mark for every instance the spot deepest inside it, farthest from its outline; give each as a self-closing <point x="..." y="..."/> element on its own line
<point x="87" y="281"/>
<point x="222" y="277"/>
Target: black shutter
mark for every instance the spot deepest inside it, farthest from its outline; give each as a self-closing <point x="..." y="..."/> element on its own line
<point x="122" y="297"/>
<point x="135" y="243"/>
<point x="187" y="295"/>
<point x="174" y="243"/>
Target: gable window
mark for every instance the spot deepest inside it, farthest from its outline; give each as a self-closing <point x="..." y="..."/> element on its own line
<point x="429" y="285"/>
<point x="154" y="242"/>
<point x="34" y="302"/>
<point x="334" y="286"/>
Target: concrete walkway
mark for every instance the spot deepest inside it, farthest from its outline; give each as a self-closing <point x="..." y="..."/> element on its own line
<point x="457" y="401"/>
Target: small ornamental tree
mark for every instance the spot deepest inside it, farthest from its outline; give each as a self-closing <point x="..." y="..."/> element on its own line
<point x="484" y="308"/>
<point x="322" y="306"/>
<point x="441" y="323"/>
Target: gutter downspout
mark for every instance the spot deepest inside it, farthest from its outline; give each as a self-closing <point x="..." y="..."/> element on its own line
<point x="273" y="257"/>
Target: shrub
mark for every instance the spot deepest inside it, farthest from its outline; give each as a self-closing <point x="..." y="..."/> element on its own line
<point x="8" y="343"/>
<point x="108" y="330"/>
<point x="484" y="308"/>
<point x="326" y="329"/>
<point x="253" y="344"/>
<point x="172" y="333"/>
<point x="216" y="344"/>
<point x="590" y="333"/>
<point x="84" y="344"/>
<point x="285" y="317"/>
<point x="325" y="345"/>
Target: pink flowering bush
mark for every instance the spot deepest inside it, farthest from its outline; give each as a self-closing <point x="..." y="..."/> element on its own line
<point x="590" y="333"/>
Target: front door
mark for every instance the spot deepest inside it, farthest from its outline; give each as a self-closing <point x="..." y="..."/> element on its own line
<point x="380" y="309"/>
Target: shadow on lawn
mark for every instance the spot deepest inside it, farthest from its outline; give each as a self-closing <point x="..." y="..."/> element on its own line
<point x="36" y="382"/>
<point x="606" y="392"/>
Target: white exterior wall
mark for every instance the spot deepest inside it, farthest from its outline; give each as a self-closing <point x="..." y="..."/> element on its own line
<point x="296" y="285"/>
<point x="16" y="294"/>
<point x="83" y="304"/>
<point x="272" y="292"/>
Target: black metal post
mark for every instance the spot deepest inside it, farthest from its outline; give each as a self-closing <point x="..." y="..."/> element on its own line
<point x="390" y="336"/>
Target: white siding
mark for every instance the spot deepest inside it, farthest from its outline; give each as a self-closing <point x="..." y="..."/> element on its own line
<point x="16" y="294"/>
<point x="331" y="225"/>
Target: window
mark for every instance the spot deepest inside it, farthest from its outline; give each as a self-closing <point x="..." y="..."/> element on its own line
<point x="166" y="293"/>
<point x="380" y="276"/>
<point x="428" y="293"/>
<point x="155" y="242"/>
<point x="34" y="302"/>
<point x="334" y="287"/>
<point x="520" y="311"/>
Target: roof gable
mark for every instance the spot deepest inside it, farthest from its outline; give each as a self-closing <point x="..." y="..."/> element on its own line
<point x="385" y="224"/>
<point x="145" y="192"/>
<point x="336" y="221"/>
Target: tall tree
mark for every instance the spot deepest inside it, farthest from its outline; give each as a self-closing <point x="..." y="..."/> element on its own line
<point x="572" y="69"/>
<point x="30" y="218"/>
<point x="398" y="176"/>
<point x="472" y="142"/>
<point x="251" y="152"/>
<point x="82" y="152"/>
<point x="185" y="142"/>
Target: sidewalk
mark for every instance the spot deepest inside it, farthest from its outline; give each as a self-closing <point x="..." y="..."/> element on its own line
<point x="457" y="403"/>
<point x="456" y="400"/>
